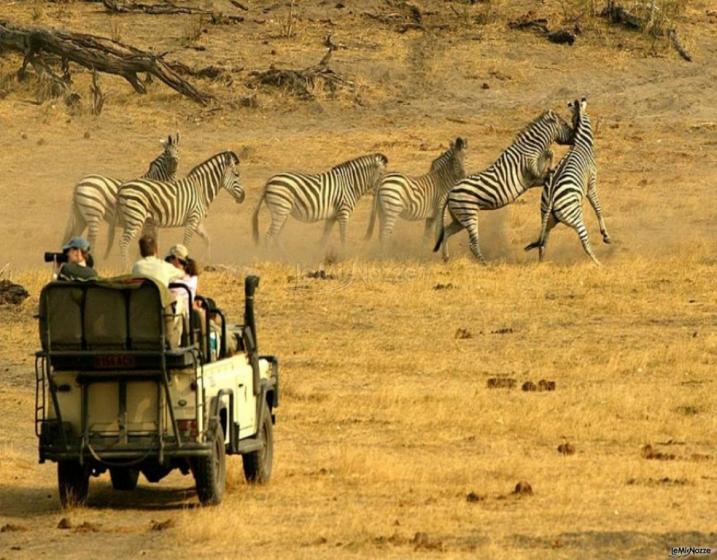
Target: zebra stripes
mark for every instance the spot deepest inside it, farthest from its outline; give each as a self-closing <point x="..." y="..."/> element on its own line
<point x="95" y="196"/>
<point x="417" y="198"/>
<point x="561" y="201"/>
<point x="183" y="203"/>
<point x="330" y="196"/>
<point x="521" y="166"/>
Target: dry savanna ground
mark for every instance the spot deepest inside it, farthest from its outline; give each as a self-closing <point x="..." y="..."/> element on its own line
<point x="403" y="429"/>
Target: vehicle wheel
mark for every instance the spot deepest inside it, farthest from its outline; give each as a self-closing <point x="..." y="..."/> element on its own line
<point x="257" y="464"/>
<point x="73" y="481"/>
<point x="210" y="473"/>
<point x="124" y="478"/>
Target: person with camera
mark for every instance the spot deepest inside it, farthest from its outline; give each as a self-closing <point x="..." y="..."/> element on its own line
<point x="75" y="262"/>
<point x="178" y="257"/>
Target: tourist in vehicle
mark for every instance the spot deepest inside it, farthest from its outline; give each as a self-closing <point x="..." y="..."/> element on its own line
<point x="178" y="257"/>
<point x="79" y="261"/>
<point x="152" y="266"/>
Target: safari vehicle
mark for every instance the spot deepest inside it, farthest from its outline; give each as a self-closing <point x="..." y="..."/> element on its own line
<point x="119" y="387"/>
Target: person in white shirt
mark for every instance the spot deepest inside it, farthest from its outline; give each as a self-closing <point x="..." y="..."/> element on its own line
<point x="150" y="265"/>
<point x="178" y="257"/>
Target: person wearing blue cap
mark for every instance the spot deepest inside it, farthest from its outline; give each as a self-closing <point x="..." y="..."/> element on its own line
<point x="79" y="261"/>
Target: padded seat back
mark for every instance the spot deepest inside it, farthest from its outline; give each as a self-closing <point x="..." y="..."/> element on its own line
<point x="105" y="318"/>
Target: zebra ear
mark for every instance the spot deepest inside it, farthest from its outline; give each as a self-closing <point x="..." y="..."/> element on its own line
<point x="382" y="159"/>
<point x="583" y="104"/>
<point x="163" y="141"/>
<point x="176" y="139"/>
<point x="460" y="143"/>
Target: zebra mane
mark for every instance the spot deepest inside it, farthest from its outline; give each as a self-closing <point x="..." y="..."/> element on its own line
<point x="361" y="161"/>
<point x="220" y="156"/>
<point x="528" y="127"/>
<point x="443" y="159"/>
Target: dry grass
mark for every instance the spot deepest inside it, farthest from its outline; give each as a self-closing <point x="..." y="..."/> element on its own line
<point x="380" y="438"/>
<point x="387" y="423"/>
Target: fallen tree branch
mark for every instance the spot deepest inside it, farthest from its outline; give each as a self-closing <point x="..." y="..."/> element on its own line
<point x="302" y="83"/>
<point x="167" y="8"/>
<point x="529" y="22"/>
<point x="98" y="53"/>
<point x="678" y="45"/>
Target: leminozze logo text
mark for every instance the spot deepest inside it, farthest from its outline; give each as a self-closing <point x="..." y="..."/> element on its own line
<point x="683" y="551"/>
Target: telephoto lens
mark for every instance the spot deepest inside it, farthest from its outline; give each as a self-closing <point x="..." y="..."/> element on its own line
<point x="57" y="257"/>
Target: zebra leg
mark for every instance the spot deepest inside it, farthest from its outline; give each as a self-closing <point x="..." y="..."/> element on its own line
<point x="278" y="220"/>
<point x="578" y="224"/>
<point x="427" y="229"/>
<point x="452" y="228"/>
<point x="202" y="232"/>
<point x="343" y="220"/>
<point x="388" y="221"/>
<point x="328" y="226"/>
<point x="127" y="235"/>
<point x="543" y="241"/>
<point x="595" y="203"/>
<point x="474" y="243"/>
<point x="93" y="228"/>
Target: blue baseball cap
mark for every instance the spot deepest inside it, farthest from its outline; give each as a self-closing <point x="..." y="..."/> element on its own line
<point x="77" y="243"/>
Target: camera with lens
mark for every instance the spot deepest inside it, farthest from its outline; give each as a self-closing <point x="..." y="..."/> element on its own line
<point x="56" y="257"/>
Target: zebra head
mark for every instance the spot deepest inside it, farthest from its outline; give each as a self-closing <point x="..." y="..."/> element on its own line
<point x="170" y="156"/>
<point x="376" y="171"/>
<point x="230" y="177"/>
<point x="581" y="121"/>
<point x="563" y="133"/>
<point x="451" y="161"/>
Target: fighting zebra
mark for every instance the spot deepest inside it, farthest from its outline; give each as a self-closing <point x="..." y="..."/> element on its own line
<point x="563" y="193"/>
<point x="95" y="196"/>
<point x="330" y="196"/>
<point x="183" y="203"/>
<point x="417" y="198"/>
<point x="521" y="166"/>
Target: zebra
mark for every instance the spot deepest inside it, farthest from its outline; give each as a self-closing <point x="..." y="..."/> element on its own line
<point x="565" y="188"/>
<point x="95" y="196"/>
<point x="521" y="166"/>
<point x="329" y="196"/>
<point x="417" y="198"/>
<point x="182" y="203"/>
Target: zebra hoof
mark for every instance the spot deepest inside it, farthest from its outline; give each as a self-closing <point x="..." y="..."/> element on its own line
<point x="531" y="246"/>
<point x="606" y="239"/>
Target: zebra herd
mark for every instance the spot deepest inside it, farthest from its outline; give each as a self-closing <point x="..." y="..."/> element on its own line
<point x="160" y="200"/>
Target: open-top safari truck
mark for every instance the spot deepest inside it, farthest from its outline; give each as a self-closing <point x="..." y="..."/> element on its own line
<point x="124" y="384"/>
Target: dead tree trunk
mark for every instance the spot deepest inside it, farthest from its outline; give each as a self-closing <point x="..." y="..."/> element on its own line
<point x="93" y="52"/>
<point x="617" y="14"/>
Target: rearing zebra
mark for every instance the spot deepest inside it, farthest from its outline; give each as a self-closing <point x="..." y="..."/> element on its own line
<point x="330" y="196"/>
<point x="521" y="166"/>
<point x="95" y="196"/>
<point x="417" y="198"/>
<point x="563" y="193"/>
<point x="183" y="203"/>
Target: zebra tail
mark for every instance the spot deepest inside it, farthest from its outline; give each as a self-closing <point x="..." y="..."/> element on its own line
<point x="255" y="219"/>
<point x="372" y="220"/>
<point x="442" y="230"/>
<point x="73" y="223"/>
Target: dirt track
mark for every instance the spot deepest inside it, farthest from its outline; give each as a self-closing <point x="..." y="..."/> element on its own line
<point x="387" y="423"/>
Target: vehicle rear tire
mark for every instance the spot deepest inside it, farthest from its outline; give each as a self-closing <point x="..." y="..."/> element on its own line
<point x="73" y="481"/>
<point x="257" y="464"/>
<point x="124" y="478"/>
<point x="210" y="473"/>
